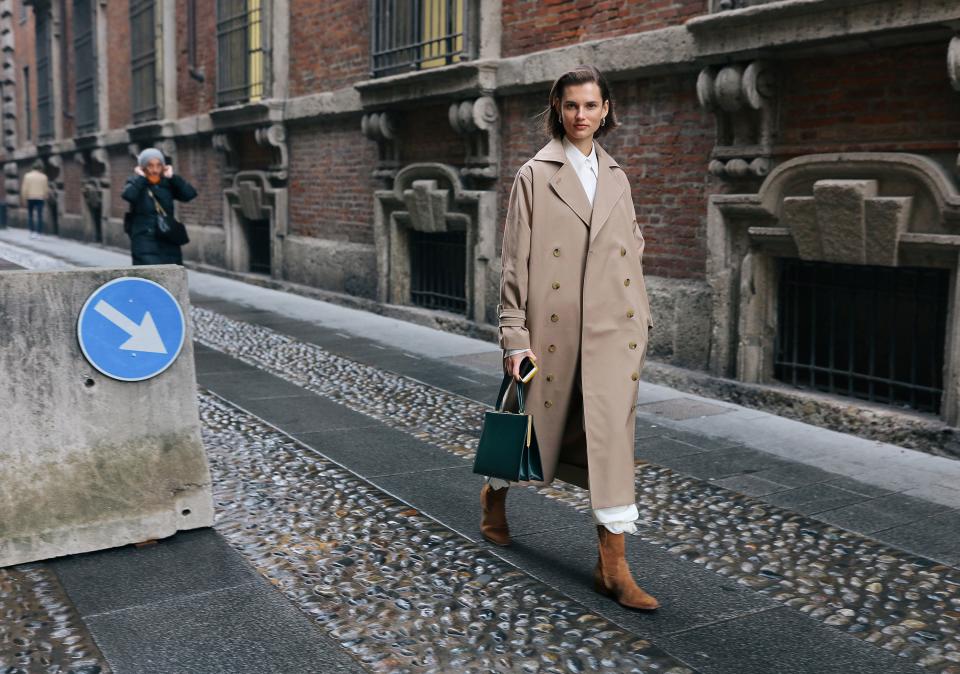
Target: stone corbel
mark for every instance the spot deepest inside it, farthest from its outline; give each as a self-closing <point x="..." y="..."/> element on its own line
<point x="953" y="70"/>
<point x="476" y="121"/>
<point x="743" y="99"/>
<point x="222" y="143"/>
<point x="382" y="128"/>
<point x="275" y="136"/>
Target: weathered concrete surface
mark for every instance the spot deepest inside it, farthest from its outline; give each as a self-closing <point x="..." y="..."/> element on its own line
<point x="87" y="462"/>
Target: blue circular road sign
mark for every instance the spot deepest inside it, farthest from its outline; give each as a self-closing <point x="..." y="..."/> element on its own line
<point x="131" y="329"/>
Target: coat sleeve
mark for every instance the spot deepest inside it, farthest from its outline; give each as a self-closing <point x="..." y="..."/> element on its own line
<point x="133" y="188"/>
<point x="181" y="189"/>
<point x="512" y="311"/>
<point x="638" y="235"/>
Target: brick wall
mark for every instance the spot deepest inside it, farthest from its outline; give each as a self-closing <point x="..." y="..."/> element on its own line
<point x="24" y="36"/>
<point x="195" y="97"/>
<point x="532" y="25"/>
<point x="329" y="44"/>
<point x="118" y="64"/>
<point x="426" y="136"/>
<point x="331" y="191"/>
<point x="663" y="145"/>
<point x="121" y="168"/>
<point x="201" y="166"/>
<point x="72" y="187"/>
<point x="894" y="99"/>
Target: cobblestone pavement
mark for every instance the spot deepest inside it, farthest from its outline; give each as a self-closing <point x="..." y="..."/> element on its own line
<point x="40" y="631"/>
<point x="899" y="602"/>
<point x="398" y="590"/>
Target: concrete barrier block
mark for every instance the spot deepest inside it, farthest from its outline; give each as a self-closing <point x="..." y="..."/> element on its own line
<point x="88" y="462"/>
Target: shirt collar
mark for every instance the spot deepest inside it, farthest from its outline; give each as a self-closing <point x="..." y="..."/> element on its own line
<point x="577" y="158"/>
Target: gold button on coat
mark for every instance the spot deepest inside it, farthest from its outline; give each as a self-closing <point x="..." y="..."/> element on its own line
<point x="547" y="403"/>
<point x="552" y="348"/>
<point x="626" y="281"/>
<point x="635" y="376"/>
<point x="549" y="377"/>
<point x="629" y="313"/>
<point x="556" y="286"/>
<point x="633" y="345"/>
<point x="623" y="251"/>
<point x="554" y="318"/>
<point x="556" y="252"/>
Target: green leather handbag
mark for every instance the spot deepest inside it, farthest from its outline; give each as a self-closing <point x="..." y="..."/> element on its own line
<point x="508" y="446"/>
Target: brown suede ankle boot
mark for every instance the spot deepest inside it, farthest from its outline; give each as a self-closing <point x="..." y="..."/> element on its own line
<point x="612" y="575"/>
<point x="493" y="515"/>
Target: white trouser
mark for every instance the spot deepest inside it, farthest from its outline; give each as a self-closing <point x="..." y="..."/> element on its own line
<point x="617" y="520"/>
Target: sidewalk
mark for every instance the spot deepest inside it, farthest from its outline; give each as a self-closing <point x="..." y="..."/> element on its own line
<point x="398" y="404"/>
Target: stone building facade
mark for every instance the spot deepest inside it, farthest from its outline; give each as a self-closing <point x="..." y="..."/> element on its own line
<point x="793" y="163"/>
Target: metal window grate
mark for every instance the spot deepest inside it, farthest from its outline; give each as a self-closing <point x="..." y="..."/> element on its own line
<point x="27" y="107"/>
<point x="85" y="56"/>
<point x="143" y="59"/>
<point x="875" y="333"/>
<point x="240" y="52"/>
<point x="44" y="76"/>
<point x="414" y="34"/>
<point x="438" y="270"/>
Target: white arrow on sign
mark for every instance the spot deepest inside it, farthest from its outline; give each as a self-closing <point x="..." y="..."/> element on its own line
<point x="143" y="337"/>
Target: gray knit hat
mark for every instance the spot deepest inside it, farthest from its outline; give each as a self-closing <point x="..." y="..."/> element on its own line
<point x="148" y="154"/>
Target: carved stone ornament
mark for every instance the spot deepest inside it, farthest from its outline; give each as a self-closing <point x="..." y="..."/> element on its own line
<point x="275" y="136"/>
<point x="742" y="98"/>
<point x="477" y="122"/>
<point x="381" y="127"/>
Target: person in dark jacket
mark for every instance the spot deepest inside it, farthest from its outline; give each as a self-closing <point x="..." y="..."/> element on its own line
<point x="152" y="175"/>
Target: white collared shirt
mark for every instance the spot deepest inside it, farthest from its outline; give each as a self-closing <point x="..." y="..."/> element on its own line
<point x="587" y="167"/>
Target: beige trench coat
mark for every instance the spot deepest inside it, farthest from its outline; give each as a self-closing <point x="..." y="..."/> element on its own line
<point x="572" y="290"/>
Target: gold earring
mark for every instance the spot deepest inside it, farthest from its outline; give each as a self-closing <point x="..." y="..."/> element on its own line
<point x="603" y="121"/>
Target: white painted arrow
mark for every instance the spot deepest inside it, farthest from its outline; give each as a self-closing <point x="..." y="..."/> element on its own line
<point x="143" y="337"/>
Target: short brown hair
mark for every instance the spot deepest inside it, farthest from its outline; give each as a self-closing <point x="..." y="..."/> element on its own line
<point x="553" y="123"/>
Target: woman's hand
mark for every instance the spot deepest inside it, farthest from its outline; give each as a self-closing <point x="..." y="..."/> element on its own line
<point x="168" y="171"/>
<point x="139" y="171"/>
<point x="511" y="364"/>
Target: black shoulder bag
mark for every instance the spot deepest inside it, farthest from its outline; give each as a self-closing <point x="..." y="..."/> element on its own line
<point x="169" y="228"/>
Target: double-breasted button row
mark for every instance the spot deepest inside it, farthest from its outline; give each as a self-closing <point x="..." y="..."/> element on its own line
<point x="547" y="403"/>
<point x="552" y="348"/>
<point x="632" y="345"/>
<point x="623" y="251"/>
<point x="635" y="376"/>
<point x="554" y="318"/>
<point x="556" y="285"/>
<point x="629" y="313"/>
<point x="626" y="282"/>
<point x="556" y="252"/>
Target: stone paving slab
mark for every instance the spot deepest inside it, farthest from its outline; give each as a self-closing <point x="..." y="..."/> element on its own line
<point x="905" y="604"/>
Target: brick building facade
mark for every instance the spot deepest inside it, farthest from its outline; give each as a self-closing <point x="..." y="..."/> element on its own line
<point x="780" y="153"/>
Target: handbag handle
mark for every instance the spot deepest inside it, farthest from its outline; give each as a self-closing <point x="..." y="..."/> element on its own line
<point x="502" y="396"/>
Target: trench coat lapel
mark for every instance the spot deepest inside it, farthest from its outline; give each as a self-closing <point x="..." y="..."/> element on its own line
<point x="609" y="191"/>
<point x="565" y="182"/>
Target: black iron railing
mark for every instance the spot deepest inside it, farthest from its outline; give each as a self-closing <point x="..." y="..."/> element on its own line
<point x="85" y="56"/>
<point x="413" y="34"/>
<point x="875" y="333"/>
<point x="240" y="53"/>
<point x="438" y="270"/>
<point x="143" y="59"/>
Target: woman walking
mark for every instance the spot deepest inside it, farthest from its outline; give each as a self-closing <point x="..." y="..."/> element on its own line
<point x="151" y="191"/>
<point x="573" y="298"/>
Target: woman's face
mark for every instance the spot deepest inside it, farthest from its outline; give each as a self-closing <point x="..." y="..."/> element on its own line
<point x="153" y="170"/>
<point x="582" y="108"/>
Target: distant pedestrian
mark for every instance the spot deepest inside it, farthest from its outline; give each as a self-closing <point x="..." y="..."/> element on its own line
<point x="34" y="191"/>
<point x="573" y="298"/>
<point x="151" y="191"/>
